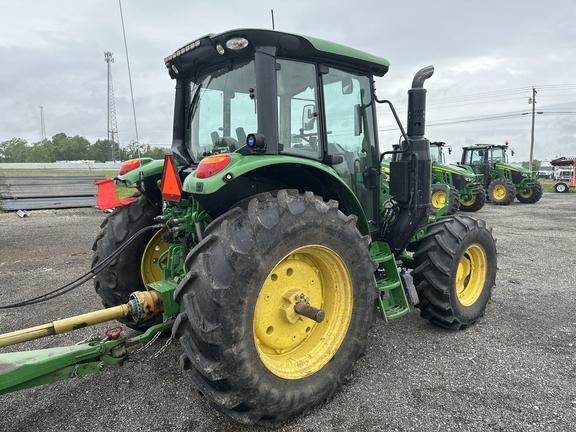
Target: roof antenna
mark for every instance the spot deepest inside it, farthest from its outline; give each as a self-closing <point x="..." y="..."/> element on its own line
<point x="129" y="76"/>
<point x="272" y="13"/>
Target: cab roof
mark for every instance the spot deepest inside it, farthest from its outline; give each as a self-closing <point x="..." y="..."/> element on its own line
<point x="484" y="146"/>
<point x="212" y="49"/>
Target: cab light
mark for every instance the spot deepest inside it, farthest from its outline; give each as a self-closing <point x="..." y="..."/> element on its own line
<point x="212" y="165"/>
<point x="171" y="185"/>
<point x="129" y="165"/>
<point x="237" y="43"/>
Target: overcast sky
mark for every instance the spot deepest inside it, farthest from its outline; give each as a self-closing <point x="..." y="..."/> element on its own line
<point x="488" y="56"/>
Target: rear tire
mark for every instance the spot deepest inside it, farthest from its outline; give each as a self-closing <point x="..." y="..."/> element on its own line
<point x="245" y="349"/>
<point x="455" y="271"/>
<point x="127" y="273"/>
<point x="532" y="195"/>
<point x="501" y="191"/>
<point x="475" y="203"/>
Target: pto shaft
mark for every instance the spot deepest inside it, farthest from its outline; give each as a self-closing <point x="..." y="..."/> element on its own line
<point x="143" y="305"/>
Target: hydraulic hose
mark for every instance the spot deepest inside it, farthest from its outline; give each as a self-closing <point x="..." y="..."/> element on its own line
<point x="82" y="279"/>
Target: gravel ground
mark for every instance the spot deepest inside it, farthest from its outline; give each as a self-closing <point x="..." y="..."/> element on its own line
<point x="513" y="371"/>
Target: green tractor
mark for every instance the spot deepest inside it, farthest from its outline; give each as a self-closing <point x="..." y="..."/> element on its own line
<point x="269" y="239"/>
<point x="466" y="191"/>
<point x="503" y="181"/>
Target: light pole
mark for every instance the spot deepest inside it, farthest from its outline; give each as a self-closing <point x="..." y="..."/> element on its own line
<point x="532" y="101"/>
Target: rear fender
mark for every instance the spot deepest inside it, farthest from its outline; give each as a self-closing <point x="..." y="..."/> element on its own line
<point x="246" y="176"/>
<point x="147" y="169"/>
<point x="146" y="178"/>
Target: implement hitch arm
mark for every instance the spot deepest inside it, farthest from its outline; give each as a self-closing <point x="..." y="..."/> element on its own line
<point x="25" y="369"/>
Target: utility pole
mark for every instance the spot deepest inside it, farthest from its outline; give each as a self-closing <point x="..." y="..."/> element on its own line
<point x="532" y="101"/>
<point x="42" y="127"/>
<point x="112" y="126"/>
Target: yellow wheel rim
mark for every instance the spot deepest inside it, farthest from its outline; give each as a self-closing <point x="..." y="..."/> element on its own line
<point x="468" y="203"/>
<point x="527" y="194"/>
<point x="290" y="345"/>
<point x="499" y="192"/>
<point x="471" y="275"/>
<point x="439" y="199"/>
<point x="149" y="266"/>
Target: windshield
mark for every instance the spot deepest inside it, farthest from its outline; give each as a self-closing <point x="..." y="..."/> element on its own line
<point x="222" y="110"/>
<point x="498" y="155"/>
<point x="436" y="153"/>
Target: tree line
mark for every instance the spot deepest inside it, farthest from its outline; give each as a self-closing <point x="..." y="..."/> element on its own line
<point x="71" y="148"/>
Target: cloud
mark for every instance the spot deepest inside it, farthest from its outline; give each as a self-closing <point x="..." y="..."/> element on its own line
<point x="53" y="57"/>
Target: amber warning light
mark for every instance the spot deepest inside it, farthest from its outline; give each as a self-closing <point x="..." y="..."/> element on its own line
<point x="171" y="185"/>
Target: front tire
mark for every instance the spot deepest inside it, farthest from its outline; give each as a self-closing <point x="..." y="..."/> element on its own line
<point x="501" y="191"/>
<point x="475" y="203"/>
<point x="561" y="187"/>
<point x="245" y="348"/>
<point x="455" y="271"/>
<point x="136" y="265"/>
<point x="531" y="195"/>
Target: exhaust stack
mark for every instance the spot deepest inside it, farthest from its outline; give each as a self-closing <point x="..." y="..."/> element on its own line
<point x="411" y="172"/>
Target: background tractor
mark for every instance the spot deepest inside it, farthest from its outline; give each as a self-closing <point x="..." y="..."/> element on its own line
<point x="503" y="181"/>
<point x="269" y="239"/>
<point x="453" y="186"/>
<point x="466" y="191"/>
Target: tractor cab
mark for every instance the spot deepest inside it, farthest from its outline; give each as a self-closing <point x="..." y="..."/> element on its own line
<point x="437" y="152"/>
<point x="266" y="94"/>
<point x="482" y="158"/>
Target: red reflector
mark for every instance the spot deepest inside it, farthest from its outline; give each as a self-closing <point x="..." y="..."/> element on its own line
<point x="212" y="165"/>
<point x="129" y="165"/>
<point x="171" y="185"/>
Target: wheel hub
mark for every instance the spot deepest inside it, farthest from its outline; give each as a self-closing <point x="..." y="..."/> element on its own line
<point x="471" y="275"/>
<point x="149" y="267"/>
<point x="499" y="192"/>
<point x="526" y="193"/>
<point x="468" y="202"/>
<point x="289" y="344"/>
<point x="439" y="200"/>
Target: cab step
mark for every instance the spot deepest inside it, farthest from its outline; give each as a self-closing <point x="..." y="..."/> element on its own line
<point x="391" y="302"/>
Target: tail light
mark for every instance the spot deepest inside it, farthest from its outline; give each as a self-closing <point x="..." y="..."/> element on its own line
<point x="212" y="165"/>
<point x="130" y="165"/>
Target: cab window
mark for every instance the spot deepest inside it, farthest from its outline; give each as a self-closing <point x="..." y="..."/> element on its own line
<point x="298" y="109"/>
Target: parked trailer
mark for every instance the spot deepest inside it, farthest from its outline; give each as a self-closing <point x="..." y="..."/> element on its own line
<point x="564" y="184"/>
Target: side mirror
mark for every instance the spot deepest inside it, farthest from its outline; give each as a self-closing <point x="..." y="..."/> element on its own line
<point x="370" y="178"/>
<point x="308" y="117"/>
<point x="449" y="149"/>
<point x="357" y="120"/>
<point x="512" y="152"/>
<point x="347" y="86"/>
